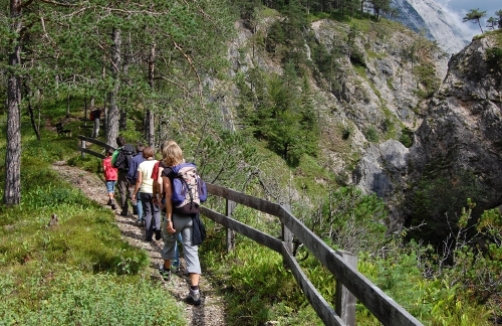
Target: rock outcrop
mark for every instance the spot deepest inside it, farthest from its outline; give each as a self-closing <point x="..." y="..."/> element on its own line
<point x="457" y="153"/>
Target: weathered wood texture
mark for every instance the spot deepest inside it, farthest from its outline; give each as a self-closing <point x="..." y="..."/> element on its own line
<point x="320" y="305"/>
<point x="230" y="206"/>
<point x="345" y="303"/>
<point x="252" y="233"/>
<point x="93" y="153"/>
<point x="94" y="141"/>
<point x="382" y="306"/>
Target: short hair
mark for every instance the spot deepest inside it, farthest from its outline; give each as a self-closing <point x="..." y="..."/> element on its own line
<point x="166" y="143"/>
<point x="121" y="141"/>
<point x="172" y="154"/>
<point x="139" y="147"/>
<point x="109" y="151"/>
<point x="148" y="152"/>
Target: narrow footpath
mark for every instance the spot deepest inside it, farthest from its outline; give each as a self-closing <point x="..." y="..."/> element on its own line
<point x="211" y="312"/>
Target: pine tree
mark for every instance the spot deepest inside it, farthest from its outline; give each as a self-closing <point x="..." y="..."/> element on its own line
<point x="475" y="16"/>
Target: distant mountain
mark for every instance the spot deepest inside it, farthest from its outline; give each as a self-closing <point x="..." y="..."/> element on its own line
<point x="437" y="24"/>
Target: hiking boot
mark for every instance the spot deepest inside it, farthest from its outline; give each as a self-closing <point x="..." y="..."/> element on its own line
<point x="140" y="223"/>
<point x="166" y="274"/>
<point x="124" y="214"/>
<point x="109" y="202"/>
<point x="113" y="206"/>
<point x="158" y="235"/>
<point x="176" y="267"/>
<point x="193" y="297"/>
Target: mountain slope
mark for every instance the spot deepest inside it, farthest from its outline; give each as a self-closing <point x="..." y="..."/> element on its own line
<point x="429" y="17"/>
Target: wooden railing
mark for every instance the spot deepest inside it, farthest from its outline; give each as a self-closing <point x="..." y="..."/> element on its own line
<point x="84" y="150"/>
<point x="350" y="283"/>
<point x="382" y="306"/>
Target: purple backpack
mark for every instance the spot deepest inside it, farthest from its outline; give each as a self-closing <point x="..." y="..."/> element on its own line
<point x="189" y="190"/>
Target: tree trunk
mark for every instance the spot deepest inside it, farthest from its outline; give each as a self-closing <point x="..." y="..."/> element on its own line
<point x="32" y="120"/>
<point x="125" y="73"/>
<point x="112" y="130"/>
<point x="12" y="190"/>
<point x="85" y="111"/>
<point x="68" y="106"/>
<point x="150" y="126"/>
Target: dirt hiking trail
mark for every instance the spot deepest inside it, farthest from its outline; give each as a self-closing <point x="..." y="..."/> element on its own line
<point x="211" y="312"/>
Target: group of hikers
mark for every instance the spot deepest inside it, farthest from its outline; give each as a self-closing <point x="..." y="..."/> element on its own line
<point x="148" y="184"/>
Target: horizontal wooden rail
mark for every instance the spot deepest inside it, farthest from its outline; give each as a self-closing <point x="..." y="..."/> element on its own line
<point x="378" y="303"/>
<point x="94" y="141"/>
<point x="93" y="153"/>
<point x="320" y="305"/>
<point x="252" y="233"/>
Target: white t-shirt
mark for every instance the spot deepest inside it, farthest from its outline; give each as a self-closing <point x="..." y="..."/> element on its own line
<point x="146" y="169"/>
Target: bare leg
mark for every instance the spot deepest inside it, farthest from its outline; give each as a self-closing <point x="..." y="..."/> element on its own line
<point x="194" y="279"/>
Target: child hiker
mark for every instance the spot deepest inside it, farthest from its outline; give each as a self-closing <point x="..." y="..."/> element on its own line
<point x="111" y="174"/>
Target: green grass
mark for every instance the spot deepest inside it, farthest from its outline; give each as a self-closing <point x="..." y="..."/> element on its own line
<point x="81" y="271"/>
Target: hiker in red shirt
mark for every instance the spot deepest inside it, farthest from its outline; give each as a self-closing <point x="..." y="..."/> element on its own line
<point x="111" y="174"/>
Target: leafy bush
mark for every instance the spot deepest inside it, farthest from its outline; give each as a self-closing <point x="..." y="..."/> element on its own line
<point x="427" y="79"/>
<point x="51" y="196"/>
<point x="494" y="59"/>
<point x="371" y="134"/>
<point x="406" y="137"/>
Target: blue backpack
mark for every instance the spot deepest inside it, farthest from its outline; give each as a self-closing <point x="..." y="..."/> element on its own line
<point x="189" y="190"/>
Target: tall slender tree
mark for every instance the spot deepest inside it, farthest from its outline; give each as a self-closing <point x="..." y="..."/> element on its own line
<point x="112" y="130"/>
<point x="12" y="190"/>
<point x="475" y="16"/>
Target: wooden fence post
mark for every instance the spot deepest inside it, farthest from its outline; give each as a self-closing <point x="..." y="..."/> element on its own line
<point x="83" y="146"/>
<point x="287" y="235"/>
<point x="345" y="305"/>
<point x="230" y="233"/>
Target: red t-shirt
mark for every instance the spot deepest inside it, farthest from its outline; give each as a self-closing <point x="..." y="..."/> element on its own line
<point x="110" y="171"/>
<point x="155" y="171"/>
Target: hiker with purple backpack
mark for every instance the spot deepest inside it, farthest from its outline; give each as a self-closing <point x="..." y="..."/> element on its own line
<point x="159" y="200"/>
<point x="182" y="217"/>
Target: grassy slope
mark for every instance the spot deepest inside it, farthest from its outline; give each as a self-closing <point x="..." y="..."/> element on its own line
<point x="80" y="272"/>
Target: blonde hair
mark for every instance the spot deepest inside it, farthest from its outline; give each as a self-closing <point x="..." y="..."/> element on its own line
<point x="171" y="153"/>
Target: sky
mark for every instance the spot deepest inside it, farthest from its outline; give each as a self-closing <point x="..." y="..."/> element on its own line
<point x="458" y="9"/>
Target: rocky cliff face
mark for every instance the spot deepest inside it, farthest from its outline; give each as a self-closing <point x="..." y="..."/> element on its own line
<point x="381" y="96"/>
<point x="429" y="17"/>
<point x="457" y="149"/>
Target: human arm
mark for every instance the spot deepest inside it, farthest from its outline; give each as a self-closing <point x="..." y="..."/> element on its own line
<point x="139" y="180"/>
<point x="158" y="187"/>
<point x="166" y="182"/>
<point x="105" y="167"/>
